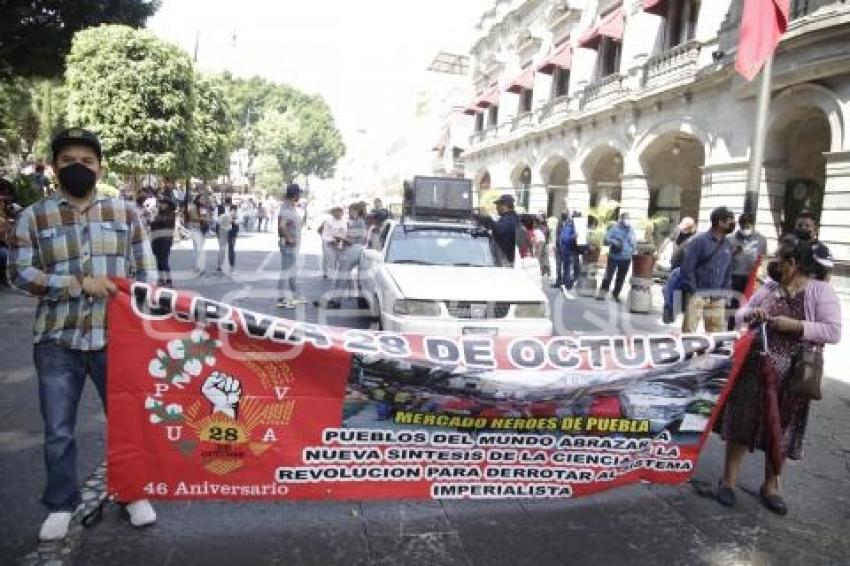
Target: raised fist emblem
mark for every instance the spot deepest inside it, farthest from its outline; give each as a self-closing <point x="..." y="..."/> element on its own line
<point x="223" y="391"/>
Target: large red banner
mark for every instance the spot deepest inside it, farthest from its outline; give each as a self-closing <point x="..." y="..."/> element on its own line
<point x="207" y="400"/>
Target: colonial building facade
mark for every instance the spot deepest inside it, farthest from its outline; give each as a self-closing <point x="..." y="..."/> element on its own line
<point x="637" y="101"/>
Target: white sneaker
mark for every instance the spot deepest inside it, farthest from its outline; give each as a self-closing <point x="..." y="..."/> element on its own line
<point x="141" y="513"/>
<point x="568" y="294"/>
<point x="55" y="526"/>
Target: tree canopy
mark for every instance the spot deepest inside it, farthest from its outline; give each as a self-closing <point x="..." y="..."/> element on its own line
<point x="35" y="35"/>
<point x="213" y="132"/>
<point x="267" y="174"/>
<point x="297" y="128"/>
<point x="136" y="92"/>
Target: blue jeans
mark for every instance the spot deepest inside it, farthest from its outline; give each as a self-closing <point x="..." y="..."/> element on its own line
<point x="571" y="267"/>
<point x="288" y="271"/>
<point x="61" y="375"/>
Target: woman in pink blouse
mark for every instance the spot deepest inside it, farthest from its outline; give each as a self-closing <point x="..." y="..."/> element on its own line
<point x="795" y="308"/>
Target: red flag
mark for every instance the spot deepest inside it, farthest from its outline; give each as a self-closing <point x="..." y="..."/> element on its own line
<point x="762" y="24"/>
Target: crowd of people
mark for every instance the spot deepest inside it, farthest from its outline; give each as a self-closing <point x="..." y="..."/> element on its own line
<point x="794" y="309"/>
<point x="52" y="254"/>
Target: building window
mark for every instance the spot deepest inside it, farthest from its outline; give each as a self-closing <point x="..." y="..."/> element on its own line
<point x="479" y="121"/>
<point x="799" y="8"/>
<point x="608" y="57"/>
<point x="526" y="100"/>
<point x="681" y="22"/>
<point x="562" y="82"/>
<point x="493" y="115"/>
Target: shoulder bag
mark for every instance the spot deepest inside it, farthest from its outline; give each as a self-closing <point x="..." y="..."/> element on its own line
<point x="807" y="372"/>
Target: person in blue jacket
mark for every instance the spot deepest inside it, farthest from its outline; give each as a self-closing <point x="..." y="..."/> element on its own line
<point x="622" y="242"/>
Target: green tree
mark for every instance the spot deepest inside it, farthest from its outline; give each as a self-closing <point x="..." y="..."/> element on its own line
<point x="304" y="139"/>
<point x="267" y="174"/>
<point x="136" y="92"/>
<point x="249" y="98"/>
<point x="298" y="129"/>
<point x="213" y="132"/>
<point x="31" y="111"/>
<point x="35" y="35"/>
<point x="319" y="140"/>
<point x="18" y="120"/>
<point x="276" y="134"/>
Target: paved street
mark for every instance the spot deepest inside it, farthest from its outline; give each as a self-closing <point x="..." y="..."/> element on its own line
<point x="641" y="524"/>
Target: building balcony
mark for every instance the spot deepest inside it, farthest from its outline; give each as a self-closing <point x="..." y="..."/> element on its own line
<point x="522" y="121"/>
<point x="672" y="66"/>
<point x="603" y="91"/>
<point x="555" y="108"/>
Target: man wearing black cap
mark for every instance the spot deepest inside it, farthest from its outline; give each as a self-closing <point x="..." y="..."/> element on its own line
<point x="65" y="249"/>
<point x="289" y="232"/>
<point x="505" y="229"/>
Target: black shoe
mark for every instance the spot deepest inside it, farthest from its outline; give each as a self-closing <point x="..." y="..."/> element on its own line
<point x="556" y="285"/>
<point x="600" y="297"/>
<point x="773" y="502"/>
<point x="616" y="298"/>
<point x="725" y="495"/>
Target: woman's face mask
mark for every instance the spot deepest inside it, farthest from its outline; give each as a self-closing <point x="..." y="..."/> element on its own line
<point x="774" y="270"/>
<point x="781" y="271"/>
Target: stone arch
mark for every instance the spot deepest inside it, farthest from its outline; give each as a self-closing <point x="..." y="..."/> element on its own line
<point x="799" y="134"/>
<point x="554" y="171"/>
<point x="519" y="175"/>
<point x="593" y="151"/>
<point x="603" y="167"/>
<point x="790" y="100"/>
<point x="522" y="178"/>
<point x="687" y="125"/>
<point x="672" y="163"/>
<point x="550" y="163"/>
<point x="481" y="174"/>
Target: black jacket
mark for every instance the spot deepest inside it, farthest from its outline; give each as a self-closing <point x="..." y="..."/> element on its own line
<point x="504" y="233"/>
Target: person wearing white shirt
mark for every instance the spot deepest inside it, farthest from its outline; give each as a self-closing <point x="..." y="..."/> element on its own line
<point x="228" y="226"/>
<point x="333" y="232"/>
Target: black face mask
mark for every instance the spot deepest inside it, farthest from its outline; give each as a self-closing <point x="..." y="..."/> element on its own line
<point x="802" y="234"/>
<point x="77" y="180"/>
<point x="774" y="271"/>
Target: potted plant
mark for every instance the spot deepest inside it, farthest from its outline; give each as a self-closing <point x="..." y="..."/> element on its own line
<point x="643" y="262"/>
<point x="650" y="231"/>
<point x="601" y="217"/>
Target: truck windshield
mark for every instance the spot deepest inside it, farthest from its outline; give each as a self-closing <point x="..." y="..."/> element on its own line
<point x="440" y="247"/>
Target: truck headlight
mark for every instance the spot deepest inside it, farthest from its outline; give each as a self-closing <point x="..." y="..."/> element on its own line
<point x="530" y="310"/>
<point x="415" y="307"/>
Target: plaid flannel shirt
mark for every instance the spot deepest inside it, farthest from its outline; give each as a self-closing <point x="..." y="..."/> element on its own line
<point x="56" y="245"/>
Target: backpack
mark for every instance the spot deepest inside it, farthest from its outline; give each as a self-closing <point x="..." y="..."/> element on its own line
<point x="568" y="236"/>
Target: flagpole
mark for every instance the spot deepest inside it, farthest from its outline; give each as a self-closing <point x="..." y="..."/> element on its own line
<point x="751" y="198"/>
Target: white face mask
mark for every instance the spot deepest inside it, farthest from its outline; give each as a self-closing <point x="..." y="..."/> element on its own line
<point x="747" y="233"/>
